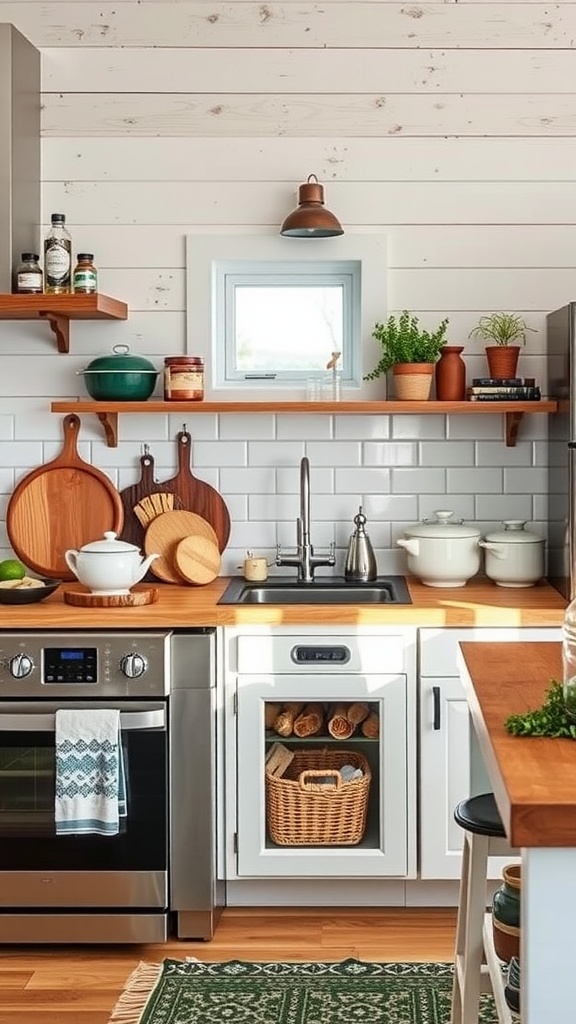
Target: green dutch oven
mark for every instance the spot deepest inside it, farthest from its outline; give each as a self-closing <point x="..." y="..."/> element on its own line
<point x="120" y="377"/>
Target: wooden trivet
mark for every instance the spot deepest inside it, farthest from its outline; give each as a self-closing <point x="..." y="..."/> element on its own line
<point x="83" y="599"/>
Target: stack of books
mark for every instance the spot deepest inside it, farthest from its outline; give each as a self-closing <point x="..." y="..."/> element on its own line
<point x="503" y="389"/>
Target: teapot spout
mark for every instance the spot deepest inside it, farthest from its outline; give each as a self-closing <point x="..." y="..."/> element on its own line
<point x="144" y="566"/>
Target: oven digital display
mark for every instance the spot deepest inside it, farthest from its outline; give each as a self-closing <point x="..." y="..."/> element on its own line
<point x="70" y="665"/>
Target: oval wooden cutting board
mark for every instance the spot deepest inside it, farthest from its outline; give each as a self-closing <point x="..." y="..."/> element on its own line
<point x="163" y="535"/>
<point x="197" y="559"/>
<point x="63" y="504"/>
<point x="196" y="495"/>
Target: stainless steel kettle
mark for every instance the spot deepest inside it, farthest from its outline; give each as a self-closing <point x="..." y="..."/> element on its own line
<point x="360" y="559"/>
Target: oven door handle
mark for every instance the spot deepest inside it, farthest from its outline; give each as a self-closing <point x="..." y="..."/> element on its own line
<point x="130" y="721"/>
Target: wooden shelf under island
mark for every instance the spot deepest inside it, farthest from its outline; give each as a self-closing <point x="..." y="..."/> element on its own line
<point x="107" y="412"/>
<point x="59" y="310"/>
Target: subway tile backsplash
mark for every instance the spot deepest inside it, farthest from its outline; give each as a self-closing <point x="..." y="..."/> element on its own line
<point x="400" y="469"/>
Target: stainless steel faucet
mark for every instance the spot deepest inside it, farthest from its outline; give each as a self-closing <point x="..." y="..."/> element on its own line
<point x="305" y="559"/>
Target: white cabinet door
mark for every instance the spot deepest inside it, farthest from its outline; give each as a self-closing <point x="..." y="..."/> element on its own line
<point x="446" y="774"/>
<point x="387" y="848"/>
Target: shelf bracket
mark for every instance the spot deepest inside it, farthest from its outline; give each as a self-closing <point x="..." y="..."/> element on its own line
<point x="109" y="421"/>
<point x="513" y="421"/>
<point x="61" y="327"/>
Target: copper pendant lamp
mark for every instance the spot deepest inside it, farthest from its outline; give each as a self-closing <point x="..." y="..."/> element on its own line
<point x="311" y="219"/>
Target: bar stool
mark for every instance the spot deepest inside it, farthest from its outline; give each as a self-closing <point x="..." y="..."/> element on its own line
<point x="484" y="837"/>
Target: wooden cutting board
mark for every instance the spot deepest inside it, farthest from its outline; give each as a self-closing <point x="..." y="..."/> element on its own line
<point x="133" y="531"/>
<point x="63" y="504"/>
<point x="197" y="559"/>
<point x="197" y="496"/>
<point x="164" y="534"/>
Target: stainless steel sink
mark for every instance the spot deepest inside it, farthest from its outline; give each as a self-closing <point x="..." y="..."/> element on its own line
<point x="324" y="590"/>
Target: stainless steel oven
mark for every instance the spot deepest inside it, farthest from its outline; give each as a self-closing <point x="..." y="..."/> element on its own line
<point x="93" y="888"/>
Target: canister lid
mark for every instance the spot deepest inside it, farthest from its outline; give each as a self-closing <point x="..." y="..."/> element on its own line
<point x="514" y="533"/>
<point x="183" y="361"/>
<point x="442" y="526"/>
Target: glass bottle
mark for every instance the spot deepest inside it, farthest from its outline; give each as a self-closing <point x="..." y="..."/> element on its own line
<point x="58" y="258"/>
<point x="569" y="659"/>
<point x="29" y="276"/>
<point x="85" y="276"/>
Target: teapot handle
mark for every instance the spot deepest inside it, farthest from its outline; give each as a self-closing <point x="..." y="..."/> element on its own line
<point x="71" y="559"/>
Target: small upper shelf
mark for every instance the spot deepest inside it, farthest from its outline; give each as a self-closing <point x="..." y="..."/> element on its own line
<point x="60" y="309"/>
<point x="107" y="412"/>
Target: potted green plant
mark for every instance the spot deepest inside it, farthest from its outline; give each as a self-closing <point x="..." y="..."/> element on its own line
<point x="410" y="351"/>
<point x="504" y="332"/>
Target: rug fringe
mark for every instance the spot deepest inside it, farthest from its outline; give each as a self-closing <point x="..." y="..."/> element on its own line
<point x="135" y="994"/>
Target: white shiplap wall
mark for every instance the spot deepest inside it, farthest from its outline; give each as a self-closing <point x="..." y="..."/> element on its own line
<point x="451" y="127"/>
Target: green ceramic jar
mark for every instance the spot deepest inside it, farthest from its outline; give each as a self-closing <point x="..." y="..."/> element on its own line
<point x="506" y="914"/>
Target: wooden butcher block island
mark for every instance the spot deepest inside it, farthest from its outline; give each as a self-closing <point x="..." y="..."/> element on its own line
<point x="479" y="603"/>
<point x="534" y="783"/>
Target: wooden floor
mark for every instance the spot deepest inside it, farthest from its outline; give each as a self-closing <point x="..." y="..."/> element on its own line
<point x="80" y="984"/>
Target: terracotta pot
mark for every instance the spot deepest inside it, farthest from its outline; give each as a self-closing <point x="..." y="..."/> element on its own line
<point x="451" y="375"/>
<point x="506" y="914"/>
<point x="502" y="360"/>
<point x="413" y="381"/>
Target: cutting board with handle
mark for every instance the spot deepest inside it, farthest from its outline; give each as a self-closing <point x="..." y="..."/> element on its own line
<point x="197" y="496"/>
<point x="133" y="530"/>
<point x="63" y="504"/>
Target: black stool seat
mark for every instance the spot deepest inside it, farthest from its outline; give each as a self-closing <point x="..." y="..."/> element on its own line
<point x="479" y="814"/>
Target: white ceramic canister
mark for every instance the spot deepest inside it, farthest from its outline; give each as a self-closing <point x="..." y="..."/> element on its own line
<point x="514" y="556"/>
<point x="442" y="552"/>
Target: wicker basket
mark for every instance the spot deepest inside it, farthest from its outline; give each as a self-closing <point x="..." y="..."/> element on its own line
<point x="304" y="812"/>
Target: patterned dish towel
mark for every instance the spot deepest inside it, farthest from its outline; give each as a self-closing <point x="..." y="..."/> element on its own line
<point x="90" y="779"/>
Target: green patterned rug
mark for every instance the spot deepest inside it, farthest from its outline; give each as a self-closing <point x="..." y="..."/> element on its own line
<point x="238" y="992"/>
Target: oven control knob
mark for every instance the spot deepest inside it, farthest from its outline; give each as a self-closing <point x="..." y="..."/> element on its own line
<point x="20" y="666"/>
<point x="133" y="665"/>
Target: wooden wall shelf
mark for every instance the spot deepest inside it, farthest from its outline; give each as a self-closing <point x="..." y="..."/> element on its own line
<point x="59" y="310"/>
<point x="107" y="412"/>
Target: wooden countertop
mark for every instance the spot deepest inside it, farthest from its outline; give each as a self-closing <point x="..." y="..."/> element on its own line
<point x="533" y="779"/>
<point x="479" y="603"/>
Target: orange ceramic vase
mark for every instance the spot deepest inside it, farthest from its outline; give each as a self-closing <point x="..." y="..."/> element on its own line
<point x="451" y="375"/>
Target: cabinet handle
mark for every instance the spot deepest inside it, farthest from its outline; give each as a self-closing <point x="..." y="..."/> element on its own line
<point x="436" y="697"/>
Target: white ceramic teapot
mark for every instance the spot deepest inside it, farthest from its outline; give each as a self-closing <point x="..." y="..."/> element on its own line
<point x="108" y="566"/>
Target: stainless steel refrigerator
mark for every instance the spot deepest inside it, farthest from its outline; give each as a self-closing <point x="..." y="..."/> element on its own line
<point x="561" y="360"/>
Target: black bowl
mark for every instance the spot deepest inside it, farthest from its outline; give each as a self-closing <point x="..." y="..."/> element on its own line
<point x="28" y="595"/>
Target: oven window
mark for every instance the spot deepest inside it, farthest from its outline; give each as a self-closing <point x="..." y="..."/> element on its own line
<point x="28" y="839"/>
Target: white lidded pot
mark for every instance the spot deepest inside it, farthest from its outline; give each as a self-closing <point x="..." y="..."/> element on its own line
<point x="514" y="556"/>
<point x="442" y="552"/>
<point x="108" y="566"/>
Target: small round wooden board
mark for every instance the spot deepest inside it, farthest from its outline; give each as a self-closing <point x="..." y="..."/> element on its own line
<point x="165" y="532"/>
<point x="197" y="559"/>
<point x="135" y="599"/>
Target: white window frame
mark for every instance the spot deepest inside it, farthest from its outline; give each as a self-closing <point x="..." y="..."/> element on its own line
<point x="210" y="258"/>
<point x="231" y="274"/>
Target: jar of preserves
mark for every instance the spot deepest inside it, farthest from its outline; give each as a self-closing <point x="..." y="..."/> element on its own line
<point x="183" y="379"/>
<point x="29" y="276"/>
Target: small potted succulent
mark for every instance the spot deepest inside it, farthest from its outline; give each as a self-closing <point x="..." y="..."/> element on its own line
<point x="504" y="333"/>
<point x="410" y="351"/>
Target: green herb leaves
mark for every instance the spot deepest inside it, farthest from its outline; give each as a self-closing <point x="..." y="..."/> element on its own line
<point x="550" y="719"/>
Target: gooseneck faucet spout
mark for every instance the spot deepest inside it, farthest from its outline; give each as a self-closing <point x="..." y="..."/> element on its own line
<point x="305" y="559"/>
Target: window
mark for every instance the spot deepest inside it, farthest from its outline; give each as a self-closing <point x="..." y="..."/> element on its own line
<point x="263" y="320"/>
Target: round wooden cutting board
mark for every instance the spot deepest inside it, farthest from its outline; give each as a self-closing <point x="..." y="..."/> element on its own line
<point x="164" y="534"/>
<point x="63" y="504"/>
<point x="197" y="559"/>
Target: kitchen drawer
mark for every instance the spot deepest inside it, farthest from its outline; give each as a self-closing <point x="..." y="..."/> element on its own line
<point x="296" y="653"/>
<point x="438" y="647"/>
